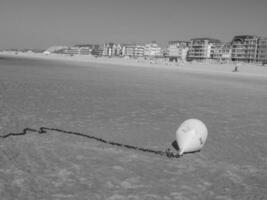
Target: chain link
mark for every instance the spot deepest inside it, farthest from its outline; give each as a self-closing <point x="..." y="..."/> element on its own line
<point x="43" y="130"/>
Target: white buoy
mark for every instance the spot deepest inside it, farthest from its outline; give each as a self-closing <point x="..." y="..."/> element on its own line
<point x="191" y="136"/>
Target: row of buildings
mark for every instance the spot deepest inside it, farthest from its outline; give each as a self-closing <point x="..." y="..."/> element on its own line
<point x="243" y="48"/>
<point x="112" y="49"/>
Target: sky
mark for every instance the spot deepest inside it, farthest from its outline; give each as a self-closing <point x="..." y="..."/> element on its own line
<point x="43" y="23"/>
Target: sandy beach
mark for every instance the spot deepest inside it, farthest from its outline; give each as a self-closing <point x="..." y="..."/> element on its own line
<point x="245" y="69"/>
<point x="131" y="103"/>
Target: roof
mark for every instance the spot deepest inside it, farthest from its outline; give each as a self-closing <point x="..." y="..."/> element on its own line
<point x="84" y="45"/>
<point x="177" y="41"/>
<point x="207" y="38"/>
<point x="244" y="37"/>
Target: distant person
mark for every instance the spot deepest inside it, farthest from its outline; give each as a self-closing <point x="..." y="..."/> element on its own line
<point x="236" y="68"/>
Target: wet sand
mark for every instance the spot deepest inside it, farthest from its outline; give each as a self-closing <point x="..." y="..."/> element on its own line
<point x="136" y="106"/>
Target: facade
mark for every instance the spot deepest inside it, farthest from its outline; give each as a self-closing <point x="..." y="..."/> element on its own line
<point x="55" y="49"/>
<point x="202" y="48"/>
<point x="262" y="50"/>
<point x="226" y="51"/>
<point x="217" y="51"/>
<point x="83" y="49"/>
<point x="244" y="48"/>
<point x="152" y="50"/>
<point x="72" y="51"/>
<point x="222" y="51"/>
<point x="177" y="50"/>
<point x="97" y="50"/>
<point x="112" y="49"/>
<point x="133" y="50"/>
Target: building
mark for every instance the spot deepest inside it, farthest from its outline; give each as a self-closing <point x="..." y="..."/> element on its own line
<point x="177" y="50"/>
<point x="133" y="50"/>
<point x="249" y="48"/>
<point x="244" y="48"/>
<point x="112" y="49"/>
<point x="226" y="51"/>
<point x="55" y="49"/>
<point x="97" y="50"/>
<point x="72" y="51"/>
<point x="222" y="51"/>
<point x="202" y="48"/>
<point x="152" y="50"/>
<point x="217" y="51"/>
<point x="79" y="49"/>
<point x="84" y="49"/>
<point x="262" y="50"/>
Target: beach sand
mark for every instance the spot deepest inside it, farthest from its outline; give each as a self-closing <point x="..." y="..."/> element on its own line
<point x="140" y="106"/>
<point x="244" y="69"/>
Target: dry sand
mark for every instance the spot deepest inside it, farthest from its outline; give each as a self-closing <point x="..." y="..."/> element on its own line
<point x="245" y="69"/>
<point x="131" y="105"/>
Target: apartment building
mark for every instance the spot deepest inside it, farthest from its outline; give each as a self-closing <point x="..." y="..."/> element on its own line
<point x="72" y="51"/>
<point x="55" y="49"/>
<point x="133" y="50"/>
<point x="152" y="50"/>
<point x="112" y="49"/>
<point x="202" y="48"/>
<point x="222" y="51"/>
<point x="244" y="48"/>
<point x="97" y="50"/>
<point x="177" y="50"/>
<point x="79" y="49"/>
<point x="262" y="50"/>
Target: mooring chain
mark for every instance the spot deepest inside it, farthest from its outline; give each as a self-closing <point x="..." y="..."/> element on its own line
<point x="43" y="130"/>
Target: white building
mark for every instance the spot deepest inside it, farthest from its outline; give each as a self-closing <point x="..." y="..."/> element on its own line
<point x="202" y="48"/>
<point x="55" y="49"/>
<point x="152" y="50"/>
<point x="222" y="51"/>
<point x="262" y="50"/>
<point x="80" y="49"/>
<point x="177" y="50"/>
<point x="133" y="50"/>
<point x="112" y="49"/>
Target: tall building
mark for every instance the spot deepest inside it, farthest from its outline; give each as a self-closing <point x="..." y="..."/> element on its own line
<point x="262" y="50"/>
<point x="177" y="50"/>
<point x="244" y="48"/>
<point x="202" y="48"/>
